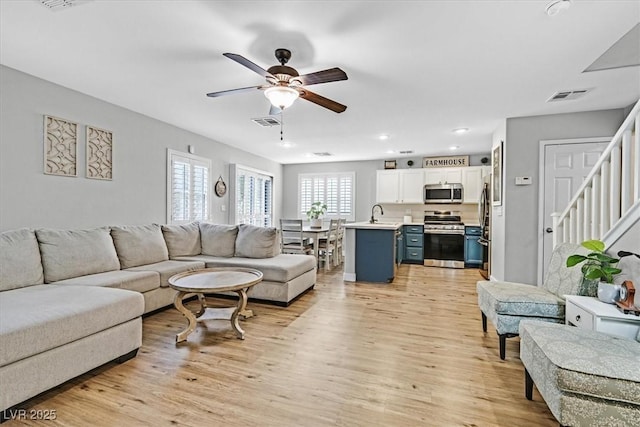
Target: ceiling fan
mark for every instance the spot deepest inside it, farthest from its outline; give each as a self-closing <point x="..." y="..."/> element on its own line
<point x="285" y="85"/>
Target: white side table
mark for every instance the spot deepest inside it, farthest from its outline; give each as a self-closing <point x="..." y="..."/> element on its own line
<point x="591" y="313"/>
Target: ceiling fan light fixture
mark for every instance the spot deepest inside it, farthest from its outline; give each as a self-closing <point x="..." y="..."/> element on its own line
<point x="281" y="96"/>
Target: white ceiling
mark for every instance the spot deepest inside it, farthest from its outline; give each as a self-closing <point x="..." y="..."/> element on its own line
<point x="417" y="69"/>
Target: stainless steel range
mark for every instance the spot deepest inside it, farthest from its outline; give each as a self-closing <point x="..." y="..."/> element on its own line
<point x="443" y="239"/>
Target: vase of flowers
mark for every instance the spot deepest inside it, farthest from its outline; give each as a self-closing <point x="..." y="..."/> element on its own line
<point x="314" y="213"/>
<point x="598" y="270"/>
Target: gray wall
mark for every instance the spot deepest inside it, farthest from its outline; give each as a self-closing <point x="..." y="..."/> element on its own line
<point x="520" y="206"/>
<point x="137" y="193"/>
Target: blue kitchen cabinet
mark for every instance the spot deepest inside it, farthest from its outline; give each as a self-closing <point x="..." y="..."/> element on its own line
<point x="472" y="248"/>
<point x="413" y="244"/>
<point x="375" y="255"/>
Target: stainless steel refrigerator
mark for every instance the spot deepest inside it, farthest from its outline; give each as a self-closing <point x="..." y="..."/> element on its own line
<point x="484" y="216"/>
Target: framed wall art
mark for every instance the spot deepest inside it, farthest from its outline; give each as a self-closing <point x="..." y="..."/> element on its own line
<point x="99" y="153"/>
<point x="496" y="165"/>
<point x="60" y="147"/>
<point x="390" y="164"/>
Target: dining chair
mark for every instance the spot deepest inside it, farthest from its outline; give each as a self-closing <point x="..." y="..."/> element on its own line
<point x="292" y="240"/>
<point x="338" y="258"/>
<point x="327" y="246"/>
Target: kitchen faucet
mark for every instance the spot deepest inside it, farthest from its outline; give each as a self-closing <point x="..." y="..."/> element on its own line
<point x="373" y="219"/>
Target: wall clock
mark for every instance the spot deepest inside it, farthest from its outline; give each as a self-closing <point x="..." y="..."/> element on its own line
<point x="220" y="187"/>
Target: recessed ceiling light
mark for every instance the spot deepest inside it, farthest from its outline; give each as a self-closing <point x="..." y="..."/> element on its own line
<point x="461" y="130"/>
<point x="556" y="6"/>
<point x="389" y="151"/>
<point x="287" y="144"/>
<point x="383" y="137"/>
<point x="454" y="147"/>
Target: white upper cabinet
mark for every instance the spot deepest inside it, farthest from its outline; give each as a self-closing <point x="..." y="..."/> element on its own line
<point x="472" y="182"/>
<point x="387" y="186"/>
<point x="443" y="175"/>
<point x="399" y="186"/>
<point x="411" y="186"/>
<point x="406" y="185"/>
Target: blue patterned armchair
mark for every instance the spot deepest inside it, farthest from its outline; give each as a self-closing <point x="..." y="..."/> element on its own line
<point x="587" y="378"/>
<point x="506" y="303"/>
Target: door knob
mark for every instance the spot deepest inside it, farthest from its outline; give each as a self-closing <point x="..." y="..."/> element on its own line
<point x="549" y="230"/>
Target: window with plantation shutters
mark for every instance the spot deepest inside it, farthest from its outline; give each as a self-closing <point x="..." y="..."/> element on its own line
<point x="333" y="189"/>
<point x="252" y="197"/>
<point x="188" y="188"/>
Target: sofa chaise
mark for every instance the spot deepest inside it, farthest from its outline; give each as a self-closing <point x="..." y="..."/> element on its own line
<point x="72" y="300"/>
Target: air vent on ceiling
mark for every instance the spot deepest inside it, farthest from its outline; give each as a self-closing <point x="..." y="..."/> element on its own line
<point x="266" y="121"/>
<point x="323" y="154"/>
<point x="61" y="4"/>
<point x="568" y="95"/>
<point x="405" y="152"/>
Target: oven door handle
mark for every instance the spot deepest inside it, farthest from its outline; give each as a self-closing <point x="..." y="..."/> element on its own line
<point x="459" y="232"/>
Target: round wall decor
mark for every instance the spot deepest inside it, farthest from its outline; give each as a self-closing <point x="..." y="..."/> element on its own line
<point x="220" y="187"/>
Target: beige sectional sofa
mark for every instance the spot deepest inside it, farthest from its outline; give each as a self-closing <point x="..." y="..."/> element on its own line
<point x="285" y="276"/>
<point x="72" y="300"/>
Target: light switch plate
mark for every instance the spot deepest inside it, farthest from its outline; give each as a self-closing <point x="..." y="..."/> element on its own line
<point x="523" y="180"/>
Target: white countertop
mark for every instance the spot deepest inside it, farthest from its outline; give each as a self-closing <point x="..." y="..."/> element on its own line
<point x="381" y="225"/>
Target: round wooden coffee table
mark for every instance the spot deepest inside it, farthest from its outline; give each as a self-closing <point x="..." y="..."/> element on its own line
<point x="214" y="280"/>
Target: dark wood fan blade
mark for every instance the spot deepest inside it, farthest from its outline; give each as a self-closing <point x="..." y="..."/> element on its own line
<point x="250" y="65"/>
<point x="322" y="101"/>
<point x="233" y="91"/>
<point x="324" y="76"/>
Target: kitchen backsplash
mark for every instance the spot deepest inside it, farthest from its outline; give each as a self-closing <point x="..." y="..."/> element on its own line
<point x="468" y="212"/>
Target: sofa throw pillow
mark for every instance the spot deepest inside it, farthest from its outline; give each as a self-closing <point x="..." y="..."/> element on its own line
<point x="256" y="242"/>
<point x="20" y="263"/>
<point x="139" y="245"/>
<point x="182" y="240"/>
<point x="218" y="239"/>
<point x="72" y="253"/>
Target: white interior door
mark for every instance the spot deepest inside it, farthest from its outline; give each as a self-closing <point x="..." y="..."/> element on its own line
<point x="565" y="168"/>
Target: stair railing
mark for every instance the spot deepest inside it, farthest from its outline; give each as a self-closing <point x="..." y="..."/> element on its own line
<point x="608" y="201"/>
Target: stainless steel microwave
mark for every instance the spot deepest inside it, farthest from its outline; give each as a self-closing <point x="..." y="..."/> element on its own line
<point x="443" y="193"/>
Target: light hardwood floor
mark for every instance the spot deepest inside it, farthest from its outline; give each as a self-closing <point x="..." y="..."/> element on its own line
<point x="410" y="353"/>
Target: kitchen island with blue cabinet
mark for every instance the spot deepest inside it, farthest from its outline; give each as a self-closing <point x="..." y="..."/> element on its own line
<point x="371" y="251"/>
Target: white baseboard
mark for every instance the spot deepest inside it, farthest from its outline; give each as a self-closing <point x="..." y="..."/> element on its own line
<point x="349" y="277"/>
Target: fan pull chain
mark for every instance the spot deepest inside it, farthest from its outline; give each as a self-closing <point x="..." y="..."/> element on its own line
<point x="281" y="126"/>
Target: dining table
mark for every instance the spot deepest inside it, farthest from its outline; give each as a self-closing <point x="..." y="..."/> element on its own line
<point x="316" y="233"/>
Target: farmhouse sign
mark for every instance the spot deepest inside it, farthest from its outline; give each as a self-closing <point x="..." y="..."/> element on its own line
<point x="445" y="162"/>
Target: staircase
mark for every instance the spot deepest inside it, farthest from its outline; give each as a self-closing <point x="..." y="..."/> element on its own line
<point x="608" y="202"/>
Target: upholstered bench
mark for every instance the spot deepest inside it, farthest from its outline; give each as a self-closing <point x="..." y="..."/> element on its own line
<point x="586" y="378"/>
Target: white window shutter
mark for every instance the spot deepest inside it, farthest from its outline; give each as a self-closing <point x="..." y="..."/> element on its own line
<point x="254" y="197"/>
<point x="333" y="189"/>
<point x="188" y="188"/>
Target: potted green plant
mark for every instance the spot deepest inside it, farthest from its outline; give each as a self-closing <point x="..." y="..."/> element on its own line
<point x="314" y="213"/>
<point x="598" y="267"/>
